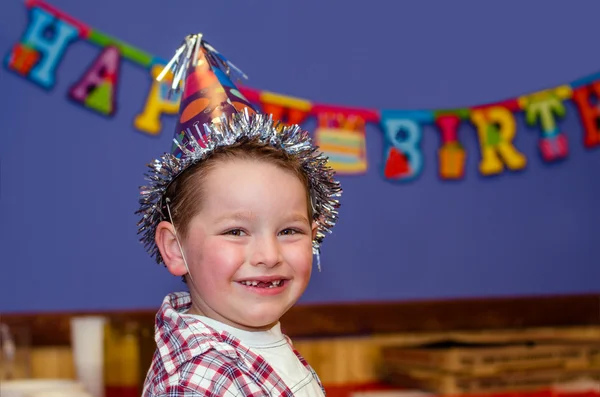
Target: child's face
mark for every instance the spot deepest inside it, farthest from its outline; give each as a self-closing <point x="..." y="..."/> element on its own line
<point x="253" y="226"/>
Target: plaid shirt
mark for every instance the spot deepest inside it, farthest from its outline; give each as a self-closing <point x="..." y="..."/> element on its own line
<point x="193" y="359"/>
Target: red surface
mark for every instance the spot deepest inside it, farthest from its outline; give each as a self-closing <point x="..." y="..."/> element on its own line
<point x="122" y="391"/>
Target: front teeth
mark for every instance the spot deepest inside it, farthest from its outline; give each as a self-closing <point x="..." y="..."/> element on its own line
<point x="273" y="284"/>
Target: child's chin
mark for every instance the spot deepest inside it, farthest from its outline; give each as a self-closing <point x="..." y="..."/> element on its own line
<point x="262" y="320"/>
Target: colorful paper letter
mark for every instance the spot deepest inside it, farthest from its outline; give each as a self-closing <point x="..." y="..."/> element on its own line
<point x="451" y="155"/>
<point x="42" y="47"/>
<point x="157" y="103"/>
<point x="403" y="156"/>
<point x="342" y="138"/>
<point x="286" y="109"/>
<point x="589" y="113"/>
<point x="544" y="106"/>
<point x="496" y="129"/>
<point x="97" y="88"/>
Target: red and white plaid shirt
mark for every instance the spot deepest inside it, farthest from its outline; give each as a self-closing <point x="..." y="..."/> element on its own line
<point x="193" y="359"/>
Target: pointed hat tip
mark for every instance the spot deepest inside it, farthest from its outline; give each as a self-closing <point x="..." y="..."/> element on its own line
<point x="205" y="78"/>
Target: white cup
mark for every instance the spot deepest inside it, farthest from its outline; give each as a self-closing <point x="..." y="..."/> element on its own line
<point x="87" y="338"/>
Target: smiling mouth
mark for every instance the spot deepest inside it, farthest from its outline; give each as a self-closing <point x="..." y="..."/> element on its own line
<point x="262" y="284"/>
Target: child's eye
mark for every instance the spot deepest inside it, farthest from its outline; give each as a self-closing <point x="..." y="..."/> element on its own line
<point x="289" y="232"/>
<point x="234" y="232"/>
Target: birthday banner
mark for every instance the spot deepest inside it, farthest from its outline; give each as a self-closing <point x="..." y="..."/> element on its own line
<point x="340" y="131"/>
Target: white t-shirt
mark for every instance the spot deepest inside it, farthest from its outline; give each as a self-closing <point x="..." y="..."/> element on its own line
<point x="273" y="347"/>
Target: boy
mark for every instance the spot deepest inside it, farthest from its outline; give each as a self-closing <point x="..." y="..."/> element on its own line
<point x="238" y="209"/>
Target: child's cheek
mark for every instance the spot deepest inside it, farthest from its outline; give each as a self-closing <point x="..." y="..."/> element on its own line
<point x="225" y="256"/>
<point x="301" y="260"/>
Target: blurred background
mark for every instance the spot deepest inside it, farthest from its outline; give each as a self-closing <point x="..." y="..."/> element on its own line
<point x="466" y="136"/>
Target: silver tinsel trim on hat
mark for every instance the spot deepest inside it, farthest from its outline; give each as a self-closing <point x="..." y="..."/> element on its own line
<point x="324" y="190"/>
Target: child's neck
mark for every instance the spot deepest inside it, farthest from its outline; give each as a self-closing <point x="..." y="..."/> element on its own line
<point x="195" y="310"/>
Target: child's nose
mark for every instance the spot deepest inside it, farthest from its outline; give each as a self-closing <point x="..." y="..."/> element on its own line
<point x="266" y="252"/>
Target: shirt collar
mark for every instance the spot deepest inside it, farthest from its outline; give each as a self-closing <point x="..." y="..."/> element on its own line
<point x="180" y="338"/>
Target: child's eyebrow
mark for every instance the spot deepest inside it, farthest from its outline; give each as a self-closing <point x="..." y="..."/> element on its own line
<point x="249" y="216"/>
<point x="297" y="218"/>
<point x="236" y="216"/>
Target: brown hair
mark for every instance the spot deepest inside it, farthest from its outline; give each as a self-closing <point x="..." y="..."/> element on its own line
<point x="185" y="193"/>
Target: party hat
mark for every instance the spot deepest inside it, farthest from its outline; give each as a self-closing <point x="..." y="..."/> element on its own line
<point x="213" y="114"/>
<point x="208" y="91"/>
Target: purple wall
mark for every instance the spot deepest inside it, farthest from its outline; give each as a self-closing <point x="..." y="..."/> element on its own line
<point x="69" y="177"/>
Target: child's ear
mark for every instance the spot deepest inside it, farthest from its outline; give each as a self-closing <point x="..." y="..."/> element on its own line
<point x="314" y="230"/>
<point x="169" y="249"/>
